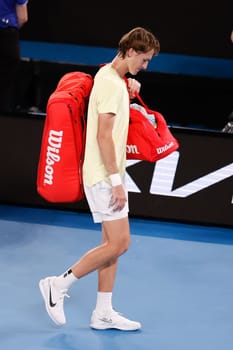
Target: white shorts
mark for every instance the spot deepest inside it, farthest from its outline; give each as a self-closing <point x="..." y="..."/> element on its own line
<point x="99" y="198"/>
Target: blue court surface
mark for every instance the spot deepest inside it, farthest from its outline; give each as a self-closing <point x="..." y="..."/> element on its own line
<point x="176" y="279"/>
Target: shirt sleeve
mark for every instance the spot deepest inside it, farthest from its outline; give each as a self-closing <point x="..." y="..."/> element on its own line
<point x="108" y="96"/>
<point x="21" y="2"/>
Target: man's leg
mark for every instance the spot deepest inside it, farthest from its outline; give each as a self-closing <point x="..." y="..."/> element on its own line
<point x="54" y="288"/>
<point x="117" y="242"/>
<point x="106" y="278"/>
<point x="110" y="231"/>
<point x="104" y="316"/>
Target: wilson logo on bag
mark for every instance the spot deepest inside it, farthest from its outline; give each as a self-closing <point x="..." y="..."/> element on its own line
<point x="59" y="173"/>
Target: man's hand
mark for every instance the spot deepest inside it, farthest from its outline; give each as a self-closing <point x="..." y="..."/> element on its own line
<point x="118" y="198"/>
<point x="133" y="87"/>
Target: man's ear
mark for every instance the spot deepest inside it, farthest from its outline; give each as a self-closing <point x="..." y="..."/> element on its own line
<point x="130" y="52"/>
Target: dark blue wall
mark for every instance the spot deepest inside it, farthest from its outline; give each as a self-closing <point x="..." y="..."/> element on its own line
<point x="199" y="28"/>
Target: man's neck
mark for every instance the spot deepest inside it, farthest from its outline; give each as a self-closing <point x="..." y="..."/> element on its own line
<point x="120" y="65"/>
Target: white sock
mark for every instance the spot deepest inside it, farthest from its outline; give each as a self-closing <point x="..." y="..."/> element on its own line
<point x="104" y="302"/>
<point x="65" y="280"/>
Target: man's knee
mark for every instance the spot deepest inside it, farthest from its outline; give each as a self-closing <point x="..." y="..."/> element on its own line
<point x="117" y="236"/>
<point x="122" y="245"/>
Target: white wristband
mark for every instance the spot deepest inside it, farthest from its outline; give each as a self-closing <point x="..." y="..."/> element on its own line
<point x="115" y="179"/>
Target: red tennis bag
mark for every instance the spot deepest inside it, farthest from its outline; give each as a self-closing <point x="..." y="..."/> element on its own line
<point x="59" y="173"/>
<point x="149" y="137"/>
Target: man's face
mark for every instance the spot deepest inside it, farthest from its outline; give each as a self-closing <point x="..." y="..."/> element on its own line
<point x="138" y="61"/>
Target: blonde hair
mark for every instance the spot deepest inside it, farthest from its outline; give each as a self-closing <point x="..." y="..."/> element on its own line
<point x="139" y="39"/>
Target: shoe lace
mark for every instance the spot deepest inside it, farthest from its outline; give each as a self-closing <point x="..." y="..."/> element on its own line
<point x="116" y="313"/>
<point x="63" y="294"/>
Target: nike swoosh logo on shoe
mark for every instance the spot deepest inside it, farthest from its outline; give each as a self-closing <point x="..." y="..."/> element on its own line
<point x="106" y="320"/>
<point x="50" y="299"/>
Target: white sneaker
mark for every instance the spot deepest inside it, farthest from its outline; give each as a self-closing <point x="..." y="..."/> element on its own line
<point x="54" y="300"/>
<point x="113" y="320"/>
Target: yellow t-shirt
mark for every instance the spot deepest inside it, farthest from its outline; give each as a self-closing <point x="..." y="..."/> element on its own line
<point x="109" y="95"/>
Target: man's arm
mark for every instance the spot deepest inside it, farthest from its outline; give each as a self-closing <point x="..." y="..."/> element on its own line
<point x="107" y="150"/>
<point x="105" y="142"/>
<point x="22" y="14"/>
